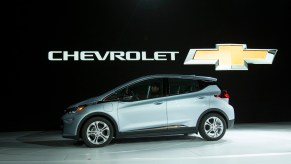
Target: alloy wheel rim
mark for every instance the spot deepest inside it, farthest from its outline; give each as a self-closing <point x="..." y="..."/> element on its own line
<point x="98" y="132"/>
<point x="213" y="127"/>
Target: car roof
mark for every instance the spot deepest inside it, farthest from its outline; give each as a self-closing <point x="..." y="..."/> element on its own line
<point x="177" y="76"/>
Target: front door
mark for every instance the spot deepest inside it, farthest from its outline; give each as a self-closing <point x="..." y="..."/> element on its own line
<point x="142" y="107"/>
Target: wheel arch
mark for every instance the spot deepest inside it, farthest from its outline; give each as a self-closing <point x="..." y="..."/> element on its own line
<point x="213" y="110"/>
<point x="97" y="114"/>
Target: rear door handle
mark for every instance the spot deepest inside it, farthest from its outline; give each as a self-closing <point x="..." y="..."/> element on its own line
<point x="158" y="102"/>
<point x="201" y="97"/>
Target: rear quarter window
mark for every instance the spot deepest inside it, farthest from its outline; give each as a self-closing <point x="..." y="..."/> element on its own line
<point x="181" y="86"/>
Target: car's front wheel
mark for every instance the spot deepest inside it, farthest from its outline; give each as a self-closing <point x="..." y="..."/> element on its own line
<point x="97" y="132"/>
<point x="212" y="127"/>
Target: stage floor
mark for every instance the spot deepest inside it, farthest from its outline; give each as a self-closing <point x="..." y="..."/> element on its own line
<point x="245" y="143"/>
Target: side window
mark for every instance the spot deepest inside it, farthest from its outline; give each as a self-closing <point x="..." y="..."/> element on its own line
<point x="147" y="89"/>
<point x="112" y="97"/>
<point x="182" y="86"/>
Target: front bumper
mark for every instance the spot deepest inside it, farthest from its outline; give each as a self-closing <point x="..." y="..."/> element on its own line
<point x="70" y="124"/>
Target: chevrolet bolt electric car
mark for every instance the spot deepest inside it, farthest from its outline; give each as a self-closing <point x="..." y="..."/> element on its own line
<point x="150" y="106"/>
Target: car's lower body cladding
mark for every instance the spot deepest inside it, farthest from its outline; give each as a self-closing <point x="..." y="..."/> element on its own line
<point x="230" y="123"/>
<point x="158" y="131"/>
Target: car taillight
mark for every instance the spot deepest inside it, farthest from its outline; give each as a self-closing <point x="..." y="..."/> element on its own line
<point x="223" y="94"/>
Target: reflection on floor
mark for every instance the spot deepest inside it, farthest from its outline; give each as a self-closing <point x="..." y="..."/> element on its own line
<point x="245" y="143"/>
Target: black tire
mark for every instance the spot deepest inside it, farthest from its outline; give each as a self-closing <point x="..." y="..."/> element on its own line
<point x="212" y="127"/>
<point x="97" y="136"/>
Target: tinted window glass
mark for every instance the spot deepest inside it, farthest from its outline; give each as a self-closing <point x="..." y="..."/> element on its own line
<point x="182" y="86"/>
<point x="147" y="89"/>
<point x="112" y="97"/>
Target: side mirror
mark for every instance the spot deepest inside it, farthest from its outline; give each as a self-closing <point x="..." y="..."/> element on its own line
<point x="126" y="98"/>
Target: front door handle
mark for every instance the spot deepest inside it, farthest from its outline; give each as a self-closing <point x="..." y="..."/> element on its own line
<point x="158" y="102"/>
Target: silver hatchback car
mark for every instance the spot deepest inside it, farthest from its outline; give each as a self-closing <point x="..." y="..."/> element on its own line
<point x="150" y="106"/>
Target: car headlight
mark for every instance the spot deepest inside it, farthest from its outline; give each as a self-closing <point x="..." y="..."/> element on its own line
<point x="76" y="109"/>
<point x="80" y="108"/>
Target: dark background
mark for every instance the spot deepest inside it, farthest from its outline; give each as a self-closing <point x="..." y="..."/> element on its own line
<point x="41" y="89"/>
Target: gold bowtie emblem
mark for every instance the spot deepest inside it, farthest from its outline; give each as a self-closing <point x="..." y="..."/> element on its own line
<point x="230" y="56"/>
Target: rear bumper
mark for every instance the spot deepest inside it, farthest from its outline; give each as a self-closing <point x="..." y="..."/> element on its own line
<point x="230" y="123"/>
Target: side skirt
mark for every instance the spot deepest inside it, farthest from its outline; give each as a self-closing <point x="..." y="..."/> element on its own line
<point x="157" y="132"/>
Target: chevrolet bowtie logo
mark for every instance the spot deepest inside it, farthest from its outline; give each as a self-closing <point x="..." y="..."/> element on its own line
<point x="230" y="56"/>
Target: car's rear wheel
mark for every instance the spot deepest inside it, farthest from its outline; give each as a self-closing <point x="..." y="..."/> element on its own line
<point x="212" y="127"/>
<point x="97" y="132"/>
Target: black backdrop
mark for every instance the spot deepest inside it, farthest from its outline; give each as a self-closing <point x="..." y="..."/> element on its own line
<point x="42" y="89"/>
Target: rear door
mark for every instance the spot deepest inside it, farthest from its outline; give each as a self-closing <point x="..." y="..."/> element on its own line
<point x="185" y="102"/>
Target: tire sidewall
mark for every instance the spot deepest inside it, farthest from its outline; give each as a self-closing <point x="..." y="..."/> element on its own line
<point x="202" y="131"/>
<point x="84" y="131"/>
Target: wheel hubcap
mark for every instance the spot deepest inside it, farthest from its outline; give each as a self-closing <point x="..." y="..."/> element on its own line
<point x="98" y="132"/>
<point x="213" y="127"/>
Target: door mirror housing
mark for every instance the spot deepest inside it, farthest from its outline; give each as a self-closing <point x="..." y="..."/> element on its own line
<point x="126" y="98"/>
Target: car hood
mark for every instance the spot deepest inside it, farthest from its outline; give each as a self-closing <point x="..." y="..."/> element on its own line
<point x="92" y="100"/>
